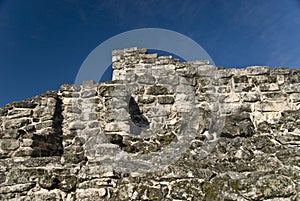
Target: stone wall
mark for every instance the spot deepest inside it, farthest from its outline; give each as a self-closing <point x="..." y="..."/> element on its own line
<point x="242" y="129"/>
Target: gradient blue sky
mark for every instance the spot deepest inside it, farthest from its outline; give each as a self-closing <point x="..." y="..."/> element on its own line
<point x="43" y="43"/>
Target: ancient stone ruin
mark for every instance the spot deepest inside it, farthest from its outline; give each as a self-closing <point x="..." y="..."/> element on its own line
<point x="160" y="130"/>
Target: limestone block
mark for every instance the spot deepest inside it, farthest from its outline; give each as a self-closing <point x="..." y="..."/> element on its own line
<point x="120" y="114"/>
<point x="231" y="98"/>
<point x="166" y="70"/>
<point x="16" y="123"/>
<point x="257" y="70"/>
<point x="146" y="99"/>
<point x="279" y="71"/>
<point x="224" y="89"/>
<point x="292" y="88"/>
<point x="93" y="124"/>
<point x="116" y="126"/>
<point x="73" y="109"/>
<point x="165" y="99"/>
<point x="23" y="151"/>
<point x="267" y="186"/>
<point x="90" y="193"/>
<point x="159" y="110"/>
<point x="274" y="96"/>
<point x="187" y="81"/>
<point x="186" y="89"/>
<point x="280" y="79"/>
<point x="24" y="104"/>
<point x="9" y="144"/>
<point x="274" y="106"/>
<point x="184" y="107"/>
<point x="244" y="87"/>
<point x="240" y="79"/>
<point x="117" y="103"/>
<point x="43" y="125"/>
<point x="149" y="56"/>
<point x="200" y="62"/>
<point x="250" y="97"/>
<point x="269" y="87"/>
<point x="70" y="88"/>
<point x="88" y="93"/>
<point x="88" y="84"/>
<point x="17" y="113"/>
<point x="270" y="117"/>
<point x="146" y="79"/>
<point x="227" y="73"/>
<point x="27" y="142"/>
<point x="105" y="90"/>
<point x="157" y="90"/>
<point x="77" y="126"/>
<point x="17" y="188"/>
<point x="295" y="97"/>
<point x="104" y="150"/>
<point x="206" y="70"/>
<point x="143" y="70"/>
<point x="188" y="71"/>
<point x="171" y="80"/>
<point x="41" y="111"/>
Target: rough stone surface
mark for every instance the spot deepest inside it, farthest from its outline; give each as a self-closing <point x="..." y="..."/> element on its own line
<point x="50" y="144"/>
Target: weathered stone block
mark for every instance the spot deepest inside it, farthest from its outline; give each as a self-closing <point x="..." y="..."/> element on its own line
<point x="157" y="90"/>
<point x="295" y="97"/>
<point x="87" y="84"/>
<point x="9" y="144"/>
<point x="24" y="104"/>
<point x="250" y="97"/>
<point x="88" y="93"/>
<point x="292" y="88"/>
<point x="146" y="79"/>
<point x="231" y="98"/>
<point x="170" y="80"/>
<point x="240" y="79"/>
<point x="146" y="99"/>
<point x="257" y="70"/>
<point x="244" y="87"/>
<point x="17" y="113"/>
<point x="279" y="71"/>
<point x="273" y="106"/>
<point x="76" y="126"/>
<point x="16" y="188"/>
<point x="165" y="99"/>
<point x="269" y="87"/>
<point x="115" y="127"/>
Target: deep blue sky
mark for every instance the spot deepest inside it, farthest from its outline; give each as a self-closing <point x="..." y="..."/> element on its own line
<point x="43" y="43"/>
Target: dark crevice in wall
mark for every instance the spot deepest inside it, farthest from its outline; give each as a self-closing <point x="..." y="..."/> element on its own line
<point x="57" y="125"/>
<point x="139" y="121"/>
<point x="50" y="144"/>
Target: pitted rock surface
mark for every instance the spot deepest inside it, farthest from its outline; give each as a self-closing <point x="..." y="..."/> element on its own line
<point x="55" y="146"/>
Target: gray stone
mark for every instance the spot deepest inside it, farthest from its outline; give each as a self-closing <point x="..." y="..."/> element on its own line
<point x="9" y="144"/>
<point x="146" y="79"/>
<point x="60" y="146"/>
<point x="88" y="93"/>
<point x="76" y="126"/>
<point x="165" y="99"/>
<point x="257" y="70"/>
<point x="157" y="90"/>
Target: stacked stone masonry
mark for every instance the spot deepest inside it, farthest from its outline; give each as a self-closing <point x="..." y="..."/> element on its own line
<point x="51" y="144"/>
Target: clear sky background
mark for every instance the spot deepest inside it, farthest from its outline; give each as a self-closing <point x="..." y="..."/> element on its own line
<point x="44" y="42"/>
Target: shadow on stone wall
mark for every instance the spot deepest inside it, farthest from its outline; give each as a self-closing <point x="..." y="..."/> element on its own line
<point x="32" y="127"/>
